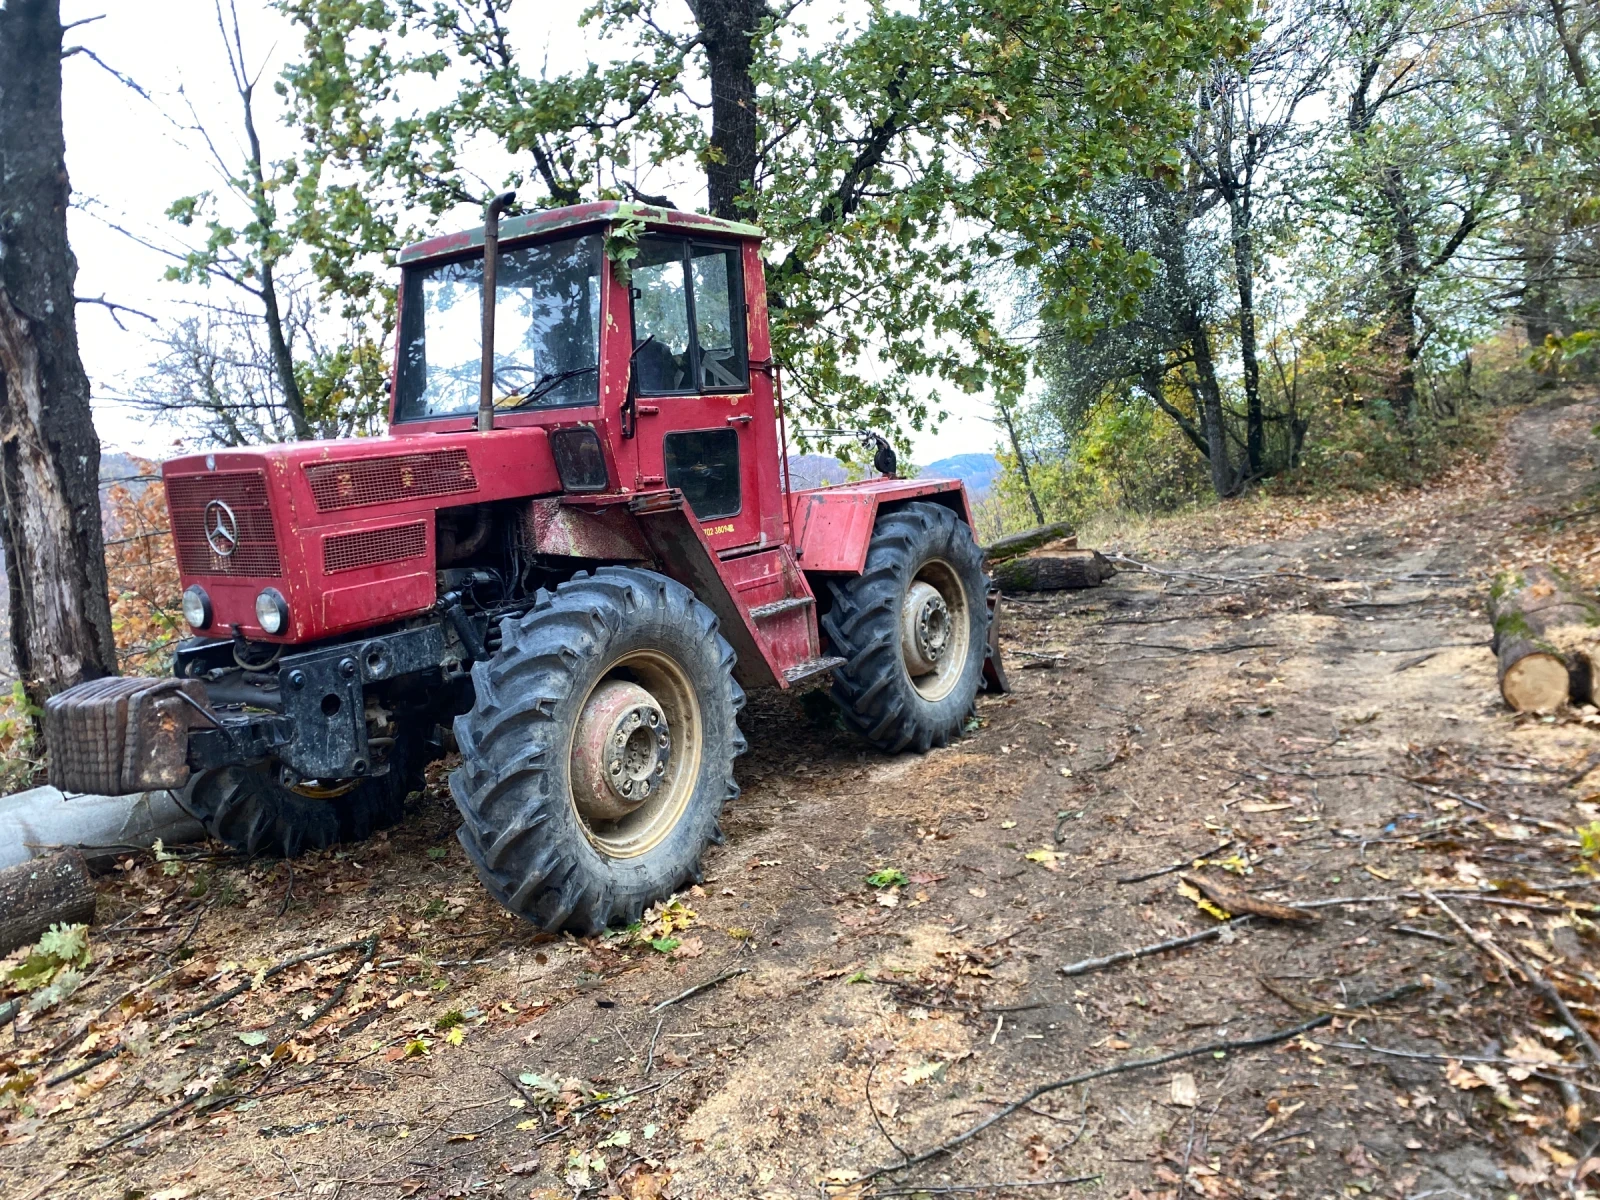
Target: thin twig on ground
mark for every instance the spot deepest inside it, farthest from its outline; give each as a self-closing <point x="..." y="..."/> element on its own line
<point x="1111" y="960"/>
<point x="1534" y="979"/>
<point x="1177" y="866"/>
<point x="878" y="1121"/>
<point x="213" y="1003"/>
<point x="700" y="987"/>
<point x="1044" y="1089"/>
<point x="953" y="1189"/>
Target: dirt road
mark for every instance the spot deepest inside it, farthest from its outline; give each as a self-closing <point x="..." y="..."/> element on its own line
<point x="1322" y="700"/>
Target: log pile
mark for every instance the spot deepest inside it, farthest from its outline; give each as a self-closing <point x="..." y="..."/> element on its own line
<point x="1045" y="559"/>
<point x="1546" y="638"/>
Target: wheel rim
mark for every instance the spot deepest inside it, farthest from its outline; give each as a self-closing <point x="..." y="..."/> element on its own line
<point x="935" y="630"/>
<point x="629" y="794"/>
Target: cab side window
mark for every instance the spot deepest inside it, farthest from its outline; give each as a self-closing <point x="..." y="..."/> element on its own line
<point x="688" y="318"/>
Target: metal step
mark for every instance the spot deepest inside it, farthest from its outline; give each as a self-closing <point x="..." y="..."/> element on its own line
<point x="811" y="667"/>
<point x="762" y="611"/>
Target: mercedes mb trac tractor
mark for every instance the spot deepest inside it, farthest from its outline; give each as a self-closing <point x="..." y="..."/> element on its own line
<point x="576" y="547"/>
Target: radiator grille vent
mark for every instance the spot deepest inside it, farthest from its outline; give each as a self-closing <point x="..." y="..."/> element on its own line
<point x="373" y="547"/>
<point x="361" y="481"/>
<point x="247" y="515"/>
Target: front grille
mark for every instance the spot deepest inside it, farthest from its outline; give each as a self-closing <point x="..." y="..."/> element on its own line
<point x="245" y="495"/>
<point x="360" y="481"/>
<point x="372" y="547"/>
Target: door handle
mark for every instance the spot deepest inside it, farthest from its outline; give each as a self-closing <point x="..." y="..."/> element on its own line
<point x="647" y="410"/>
<point x="741" y="419"/>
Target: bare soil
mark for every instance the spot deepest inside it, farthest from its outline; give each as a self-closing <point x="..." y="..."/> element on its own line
<point x="1322" y="697"/>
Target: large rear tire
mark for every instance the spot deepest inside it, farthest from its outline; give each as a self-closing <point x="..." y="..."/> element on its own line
<point x="599" y="750"/>
<point x="913" y="628"/>
<point x="252" y="810"/>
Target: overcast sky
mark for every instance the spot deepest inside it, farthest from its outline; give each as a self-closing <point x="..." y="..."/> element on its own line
<point x="128" y="162"/>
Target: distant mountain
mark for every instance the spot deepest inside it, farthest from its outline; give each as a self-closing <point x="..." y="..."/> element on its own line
<point x="977" y="471"/>
<point x="815" y="470"/>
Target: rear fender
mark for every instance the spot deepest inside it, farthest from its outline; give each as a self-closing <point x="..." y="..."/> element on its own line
<point x="833" y="525"/>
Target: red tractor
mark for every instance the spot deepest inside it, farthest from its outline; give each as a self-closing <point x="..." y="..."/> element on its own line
<point x="579" y="548"/>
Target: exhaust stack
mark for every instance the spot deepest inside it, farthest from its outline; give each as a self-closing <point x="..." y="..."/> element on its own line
<point x="491" y="261"/>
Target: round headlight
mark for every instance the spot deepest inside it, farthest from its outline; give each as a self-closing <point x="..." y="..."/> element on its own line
<point x="272" y="611"/>
<point x="197" y="607"/>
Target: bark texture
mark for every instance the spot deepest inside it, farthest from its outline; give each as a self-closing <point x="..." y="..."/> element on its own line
<point x="1049" y="572"/>
<point x="49" y="454"/>
<point x="1546" y="637"/>
<point x="727" y="31"/>
<point x="1014" y="544"/>
<point x="43" y="892"/>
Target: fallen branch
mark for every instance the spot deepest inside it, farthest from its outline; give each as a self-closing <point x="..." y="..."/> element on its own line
<point x="701" y="987"/>
<point x="1177" y="866"/>
<point x="1044" y="1089"/>
<point x="214" y="1002"/>
<point x="1174" y="574"/>
<point x="1111" y="960"/>
<point x="1534" y="980"/>
<point x="968" y="1188"/>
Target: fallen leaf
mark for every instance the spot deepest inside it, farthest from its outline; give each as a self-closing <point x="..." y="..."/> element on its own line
<point x="1045" y="857"/>
<point x="1236" y="901"/>
<point x="1185" y="1092"/>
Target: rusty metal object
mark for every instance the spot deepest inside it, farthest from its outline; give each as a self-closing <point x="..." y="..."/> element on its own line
<point x="553" y="527"/>
<point x="620" y="751"/>
<point x="924" y="628"/>
<point x="123" y="734"/>
<point x="994" y="668"/>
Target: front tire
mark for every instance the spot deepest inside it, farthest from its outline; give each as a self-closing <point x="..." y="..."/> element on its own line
<point x="913" y="628"/>
<point x="250" y="809"/>
<point x="599" y="750"/>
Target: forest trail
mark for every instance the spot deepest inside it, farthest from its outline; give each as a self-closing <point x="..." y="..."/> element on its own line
<point x="1322" y="698"/>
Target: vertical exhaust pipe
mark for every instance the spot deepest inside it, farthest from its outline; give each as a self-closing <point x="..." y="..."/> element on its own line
<point x="491" y="263"/>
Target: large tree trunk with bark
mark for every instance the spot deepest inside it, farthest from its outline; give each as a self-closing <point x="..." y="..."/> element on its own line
<point x="1050" y="572"/>
<point x="1546" y="637"/>
<point x="727" y="31"/>
<point x="44" y="892"/>
<point x="49" y="454"/>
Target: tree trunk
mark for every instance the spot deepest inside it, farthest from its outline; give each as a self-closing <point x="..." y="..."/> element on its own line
<point x="1049" y="572"/>
<point x="727" y="31"/>
<point x="1014" y="544"/>
<point x="1244" y="279"/>
<point x="1022" y="462"/>
<point x="1208" y="399"/>
<point x="1546" y="636"/>
<point x="43" y="892"/>
<point x="49" y="454"/>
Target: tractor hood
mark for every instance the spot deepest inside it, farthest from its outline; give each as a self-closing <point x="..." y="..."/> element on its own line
<point x="342" y="530"/>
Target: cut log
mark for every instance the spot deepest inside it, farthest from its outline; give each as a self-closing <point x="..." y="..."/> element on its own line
<point x="42" y="820"/>
<point x="1048" y="572"/>
<point x="1546" y="638"/>
<point x="1014" y="544"/>
<point x="38" y="894"/>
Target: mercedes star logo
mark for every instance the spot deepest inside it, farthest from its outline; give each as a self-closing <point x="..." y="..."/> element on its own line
<point x="222" y="529"/>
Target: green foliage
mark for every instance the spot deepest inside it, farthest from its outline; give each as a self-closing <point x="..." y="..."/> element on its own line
<point x="887" y="877"/>
<point x="19" y="743"/>
<point x="905" y="162"/>
<point x="61" y="949"/>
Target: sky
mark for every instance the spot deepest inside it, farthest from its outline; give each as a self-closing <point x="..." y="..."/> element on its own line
<point x="129" y="158"/>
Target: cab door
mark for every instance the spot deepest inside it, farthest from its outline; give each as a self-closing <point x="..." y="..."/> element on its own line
<point x="696" y="418"/>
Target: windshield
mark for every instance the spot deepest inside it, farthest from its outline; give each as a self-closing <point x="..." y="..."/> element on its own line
<point x="546" y="331"/>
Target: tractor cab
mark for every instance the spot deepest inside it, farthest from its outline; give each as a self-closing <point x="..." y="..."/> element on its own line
<point x="636" y="337"/>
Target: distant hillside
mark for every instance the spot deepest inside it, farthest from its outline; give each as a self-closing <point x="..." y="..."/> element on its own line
<point x="977" y="471"/>
<point x="814" y="470"/>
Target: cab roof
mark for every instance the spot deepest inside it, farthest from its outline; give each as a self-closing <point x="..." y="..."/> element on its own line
<point x="552" y="220"/>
